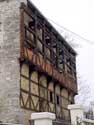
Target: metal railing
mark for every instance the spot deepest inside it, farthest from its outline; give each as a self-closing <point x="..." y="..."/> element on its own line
<point x="84" y="121"/>
<point x="63" y="122"/>
<point x="89" y="115"/>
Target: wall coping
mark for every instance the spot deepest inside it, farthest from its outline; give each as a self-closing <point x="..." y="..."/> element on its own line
<point x="75" y="107"/>
<point x="43" y="115"/>
<point x="9" y="124"/>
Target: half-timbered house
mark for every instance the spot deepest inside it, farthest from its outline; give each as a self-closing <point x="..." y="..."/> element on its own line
<point x="47" y="65"/>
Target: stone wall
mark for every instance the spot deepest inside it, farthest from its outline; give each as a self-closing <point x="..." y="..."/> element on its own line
<point x="9" y="65"/>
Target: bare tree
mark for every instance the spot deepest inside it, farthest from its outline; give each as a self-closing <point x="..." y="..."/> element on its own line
<point x="83" y="92"/>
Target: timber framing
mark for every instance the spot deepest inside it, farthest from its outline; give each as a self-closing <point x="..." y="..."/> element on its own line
<point x="43" y="103"/>
<point x="30" y="50"/>
<point x="44" y="51"/>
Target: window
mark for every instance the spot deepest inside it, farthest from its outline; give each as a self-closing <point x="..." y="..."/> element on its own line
<point x="51" y="96"/>
<point x="31" y="24"/>
<point x="54" y="60"/>
<point x="60" y="57"/>
<point x="60" y="64"/>
<point x="57" y="100"/>
<point x="47" y="47"/>
<point x="54" y="45"/>
<point x="47" y="36"/>
<point x="39" y="32"/>
<point x="47" y="40"/>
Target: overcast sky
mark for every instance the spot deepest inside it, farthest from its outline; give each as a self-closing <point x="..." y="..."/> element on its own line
<point x="77" y="16"/>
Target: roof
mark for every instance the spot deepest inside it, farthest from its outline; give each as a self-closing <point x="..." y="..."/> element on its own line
<point x="50" y="25"/>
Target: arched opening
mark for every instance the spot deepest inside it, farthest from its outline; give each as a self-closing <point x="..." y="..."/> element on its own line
<point x="34" y="91"/>
<point x="51" y="97"/>
<point x="25" y="77"/>
<point x="65" y="102"/>
<point x="24" y="86"/>
<point x="58" y="100"/>
<point x="25" y="70"/>
<point x="71" y="98"/>
<point x="34" y="83"/>
<point x="43" y="93"/>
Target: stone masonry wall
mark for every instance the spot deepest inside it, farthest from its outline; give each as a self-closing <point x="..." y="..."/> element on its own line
<point x="10" y="110"/>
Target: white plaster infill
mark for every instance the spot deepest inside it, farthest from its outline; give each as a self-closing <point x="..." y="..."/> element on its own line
<point x="43" y="118"/>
